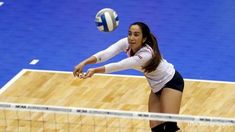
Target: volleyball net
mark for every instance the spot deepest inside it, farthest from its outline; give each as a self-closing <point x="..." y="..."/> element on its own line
<point x="30" y="117"/>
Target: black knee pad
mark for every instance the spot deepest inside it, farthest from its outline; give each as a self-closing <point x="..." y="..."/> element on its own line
<point x="170" y="127"/>
<point x="166" y="127"/>
<point x="158" y="128"/>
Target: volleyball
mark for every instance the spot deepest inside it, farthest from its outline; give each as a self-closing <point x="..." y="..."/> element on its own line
<point x="106" y="20"/>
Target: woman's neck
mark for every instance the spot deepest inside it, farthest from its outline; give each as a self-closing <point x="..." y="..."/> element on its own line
<point x="133" y="51"/>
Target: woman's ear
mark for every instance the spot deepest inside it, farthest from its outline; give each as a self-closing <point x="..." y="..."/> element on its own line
<point x="144" y="39"/>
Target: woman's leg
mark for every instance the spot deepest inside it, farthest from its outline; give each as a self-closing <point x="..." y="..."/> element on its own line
<point x="154" y="106"/>
<point x="170" y="101"/>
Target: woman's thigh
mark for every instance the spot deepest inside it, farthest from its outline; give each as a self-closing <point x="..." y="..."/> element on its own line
<point x="170" y="100"/>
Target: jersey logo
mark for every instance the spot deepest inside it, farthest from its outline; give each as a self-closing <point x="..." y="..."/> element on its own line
<point x="140" y="56"/>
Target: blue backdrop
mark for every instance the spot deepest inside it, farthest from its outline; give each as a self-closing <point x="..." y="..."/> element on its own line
<point x="196" y="36"/>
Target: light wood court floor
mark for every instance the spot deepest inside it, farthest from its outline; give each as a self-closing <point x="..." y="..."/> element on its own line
<point x="106" y="92"/>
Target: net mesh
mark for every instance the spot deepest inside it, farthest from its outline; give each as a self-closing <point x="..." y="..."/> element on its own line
<point x="31" y="118"/>
<point x="16" y="120"/>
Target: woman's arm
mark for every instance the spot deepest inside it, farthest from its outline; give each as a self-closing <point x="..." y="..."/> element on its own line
<point x="129" y="63"/>
<point x="112" y="50"/>
<point x="101" y="57"/>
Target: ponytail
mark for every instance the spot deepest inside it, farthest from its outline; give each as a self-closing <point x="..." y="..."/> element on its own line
<point x="153" y="63"/>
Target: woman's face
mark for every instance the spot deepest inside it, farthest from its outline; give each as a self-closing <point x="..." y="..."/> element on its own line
<point x="135" y="37"/>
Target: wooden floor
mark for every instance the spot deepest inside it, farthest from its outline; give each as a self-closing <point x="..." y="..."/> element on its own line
<point x="106" y="92"/>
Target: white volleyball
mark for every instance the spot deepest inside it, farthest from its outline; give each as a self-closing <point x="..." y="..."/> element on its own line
<point x="106" y="20"/>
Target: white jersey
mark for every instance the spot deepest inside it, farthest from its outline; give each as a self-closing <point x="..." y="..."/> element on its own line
<point x="156" y="79"/>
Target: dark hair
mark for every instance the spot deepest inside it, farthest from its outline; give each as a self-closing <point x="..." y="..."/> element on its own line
<point x="151" y="40"/>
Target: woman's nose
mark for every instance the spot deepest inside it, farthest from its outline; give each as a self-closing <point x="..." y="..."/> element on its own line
<point x="131" y="37"/>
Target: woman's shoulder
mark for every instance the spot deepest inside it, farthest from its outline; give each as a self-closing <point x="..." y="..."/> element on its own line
<point x="146" y="49"/>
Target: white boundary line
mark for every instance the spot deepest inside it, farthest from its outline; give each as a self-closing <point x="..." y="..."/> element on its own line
<point x="17" y="76"/>
<point x="70" y="72"/>
<point x="134" y="76"/>
<point x="211" y="81"/>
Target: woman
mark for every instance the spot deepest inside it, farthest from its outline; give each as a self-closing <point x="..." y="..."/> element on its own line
<point x="143" y="54"/>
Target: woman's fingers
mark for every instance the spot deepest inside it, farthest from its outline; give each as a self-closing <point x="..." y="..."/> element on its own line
<point x="76" y="72"/>
<point x="89" y="73"/>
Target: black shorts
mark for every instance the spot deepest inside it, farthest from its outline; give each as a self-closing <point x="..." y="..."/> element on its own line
<point x="177" y="83"/>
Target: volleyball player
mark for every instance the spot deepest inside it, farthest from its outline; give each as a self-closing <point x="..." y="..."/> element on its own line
<point x="143" y="54"/>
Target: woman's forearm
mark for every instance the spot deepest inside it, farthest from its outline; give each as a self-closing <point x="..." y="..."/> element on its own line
<point x="99" y="69"/>
<point x="90" y="60"/>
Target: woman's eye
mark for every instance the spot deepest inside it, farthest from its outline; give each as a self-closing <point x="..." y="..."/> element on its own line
<point x="136" y="35"/>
